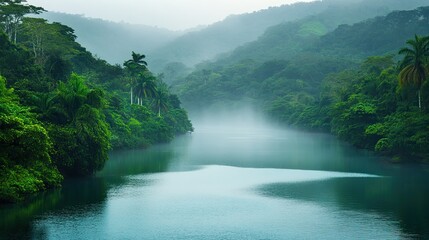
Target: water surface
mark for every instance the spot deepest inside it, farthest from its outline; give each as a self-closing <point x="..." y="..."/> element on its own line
<point x="243" y="179"/>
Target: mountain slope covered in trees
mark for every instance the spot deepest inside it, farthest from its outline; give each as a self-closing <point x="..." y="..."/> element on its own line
<point x="304" y="77"/>
<point x="62" y="110"/>
<point x="113" y="41"/>
<point x="222" y="37"/>
<point x="170" y="51"/>
<point x="295" y="51"/>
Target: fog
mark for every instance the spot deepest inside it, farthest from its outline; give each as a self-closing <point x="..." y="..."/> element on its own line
<point x="171" y="14"/>
<point x="239" y="119"/>
<point x="244" y="137"/>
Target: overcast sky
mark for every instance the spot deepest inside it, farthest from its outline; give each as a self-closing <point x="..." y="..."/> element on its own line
<point x="171" y="14"/>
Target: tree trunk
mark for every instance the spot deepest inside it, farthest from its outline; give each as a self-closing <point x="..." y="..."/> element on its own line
<point x="131" y="94"/>
<point x="420" y="99"/>
<point x="159" y="111"/>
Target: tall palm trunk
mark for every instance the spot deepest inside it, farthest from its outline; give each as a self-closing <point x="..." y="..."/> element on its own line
<point x="131" y="96"/>
<point x="420" y="98"/>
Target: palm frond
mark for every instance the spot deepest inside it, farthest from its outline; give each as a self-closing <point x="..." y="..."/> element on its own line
<point x="406" y="51"/>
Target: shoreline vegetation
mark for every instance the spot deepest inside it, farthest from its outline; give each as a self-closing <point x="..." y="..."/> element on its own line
<point x="62" y="109"/>
<point x="366" y="86"/>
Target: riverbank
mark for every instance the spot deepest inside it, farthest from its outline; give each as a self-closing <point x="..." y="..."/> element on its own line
<point x="302" y="177"/>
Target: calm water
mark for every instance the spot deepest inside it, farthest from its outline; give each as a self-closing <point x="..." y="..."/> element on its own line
<point x="235" y="180"/>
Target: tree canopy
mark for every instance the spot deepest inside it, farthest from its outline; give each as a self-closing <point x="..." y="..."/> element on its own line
<point x="62" y="109"/>
<point x="415" y="65"/>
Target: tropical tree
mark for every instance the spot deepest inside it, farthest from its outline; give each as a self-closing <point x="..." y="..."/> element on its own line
<point x="25" y="163"/>
<point x="72" y="95"/>
<point x="415" y="68"/>
<point x="11" y="14"/>
<point x="49" y="42"/>
<point x="162" y="97"/>
<point x="81" y="135"/>
<point x="145" y="86"/>
<point x="135" y="66"/>
<point x="136" y="62"/>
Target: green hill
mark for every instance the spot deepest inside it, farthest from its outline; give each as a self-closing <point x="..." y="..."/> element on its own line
<point x="305" y="78"/>
<point x="299" y="50"/>
<point x="113" y="41"/>
<point x="223" y="37"/>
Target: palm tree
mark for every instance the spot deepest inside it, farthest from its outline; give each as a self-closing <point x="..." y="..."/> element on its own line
<point x="72" y="95"/>
<point x="136" y="62"/>
<point x="161" y="97"/>
<point x="145" y="86"/>
<point x="415" y="69"/>
<point x="135" y="66"/>
<point x="44" y="104"/>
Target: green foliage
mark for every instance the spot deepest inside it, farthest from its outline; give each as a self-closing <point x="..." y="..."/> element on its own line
<point x="161" y="98"/>
<point x="11" y="14"/>
<point x="17" y="182"/>
<point x="71" y="96"/>
<point x="120" y="131"/>
<point x="406" y="136"/>
<point x="361" y="104"/>
<point x="352" y="117"/>
<point x="178" y="119"/>
<point x="113" y="41"/>
<point x="415" y="65"/>
<point x="305" y="76"/>
<point x="50" y="44"/>
<point x="312" y="28"/>
<point x="15" y="63"/>
<point x="370" y="112"/>
<point x="376" y="36"/>
<point x="56" y="121"/>
<point x="224" y="36"/>
<point x="81" y="137"/>
<point x="25" y="163"/>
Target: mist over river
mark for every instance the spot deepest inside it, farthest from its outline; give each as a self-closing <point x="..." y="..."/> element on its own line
<point x="238" y="176"/>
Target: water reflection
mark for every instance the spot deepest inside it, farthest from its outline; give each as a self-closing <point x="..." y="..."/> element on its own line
<point x="17" y="221"/>
<point x="404" y="199"/>
<point x="246" y="180"/>
<point x="133" y="162"/>
<point x="214" y="202"/>
<point x="280" y="148"/>
<point x="79" y="197"/>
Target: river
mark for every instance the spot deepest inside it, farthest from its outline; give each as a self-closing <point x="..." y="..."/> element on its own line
<point x="235" y="179"/>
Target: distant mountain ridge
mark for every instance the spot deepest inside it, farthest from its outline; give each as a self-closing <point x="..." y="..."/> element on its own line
<point x="284" y="40"/>
<point x="297" y="51"/>
<point x="376" y="36"/>
<point x="113" y="41"/>
<point x="234" y="31"/>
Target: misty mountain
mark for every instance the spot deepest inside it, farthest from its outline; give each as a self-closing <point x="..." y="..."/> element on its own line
<point x="113" y="41"/>
<point x="224" y="36"/>
<point x="287" y="39"/>
<point x="165" y="50"/>
<point x="297" y="55"/>
<point x="377" y="36"/>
